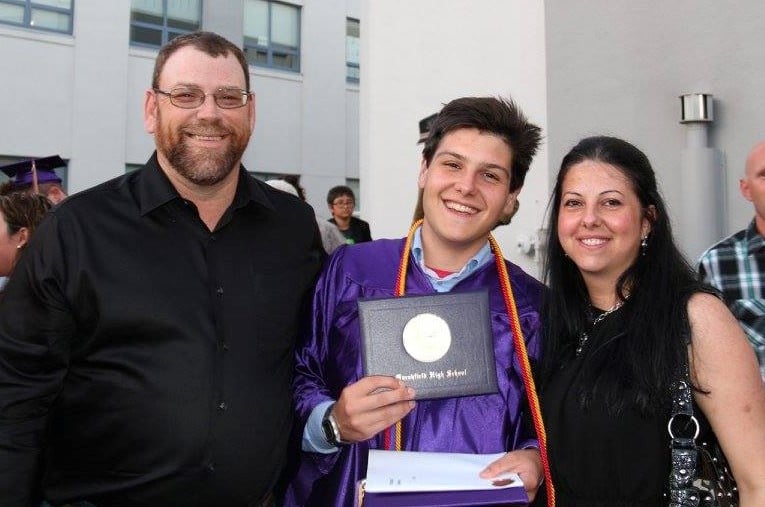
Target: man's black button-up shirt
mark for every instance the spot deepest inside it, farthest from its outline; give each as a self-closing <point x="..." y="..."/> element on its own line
<point x="145" y="360"/>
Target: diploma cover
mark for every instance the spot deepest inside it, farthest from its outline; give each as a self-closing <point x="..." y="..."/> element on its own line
<point x="440" y="344"/>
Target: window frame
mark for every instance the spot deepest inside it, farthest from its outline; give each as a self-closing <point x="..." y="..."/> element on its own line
<point x="349" y="64"/>
<point x="355" y="185"/>
<point x="251" y="44"/>
<point x="165" y="30"/>
<point x="28" y="5"/>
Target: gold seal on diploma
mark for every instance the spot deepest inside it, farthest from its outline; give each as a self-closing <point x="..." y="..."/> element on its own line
<point x="427" y="337"/>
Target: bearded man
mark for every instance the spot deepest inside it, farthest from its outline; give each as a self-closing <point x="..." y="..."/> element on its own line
<point x="146" y="339"/>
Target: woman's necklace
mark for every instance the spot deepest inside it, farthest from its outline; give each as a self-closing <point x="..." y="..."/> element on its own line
<point x="583" y="336"/>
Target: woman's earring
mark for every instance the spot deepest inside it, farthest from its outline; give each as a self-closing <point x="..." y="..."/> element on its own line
<point x="643" y="244"/>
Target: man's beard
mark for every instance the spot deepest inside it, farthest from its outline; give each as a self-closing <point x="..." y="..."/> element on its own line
<point x="201" y="166"/>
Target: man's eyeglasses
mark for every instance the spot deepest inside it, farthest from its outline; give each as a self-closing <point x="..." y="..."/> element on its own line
<point x="348" y="203"/>
<point x="191" y="98"/>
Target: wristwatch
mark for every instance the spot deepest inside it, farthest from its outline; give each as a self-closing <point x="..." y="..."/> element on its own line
<point x="331" y="430"/>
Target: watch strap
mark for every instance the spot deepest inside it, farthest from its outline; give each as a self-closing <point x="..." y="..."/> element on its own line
<point x="332" y="430"/>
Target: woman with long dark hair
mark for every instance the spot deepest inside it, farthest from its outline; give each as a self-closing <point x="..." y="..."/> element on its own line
<point x="624" y="314"/>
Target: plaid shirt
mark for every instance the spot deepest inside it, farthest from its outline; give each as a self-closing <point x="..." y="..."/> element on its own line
<point x="736" y="267"/>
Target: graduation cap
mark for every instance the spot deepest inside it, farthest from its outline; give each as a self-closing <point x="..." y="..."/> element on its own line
<point x="34" y="171"/>
<point x="425" y="125"/>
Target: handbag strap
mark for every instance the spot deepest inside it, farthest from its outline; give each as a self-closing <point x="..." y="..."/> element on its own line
<point x="684" y="452"/>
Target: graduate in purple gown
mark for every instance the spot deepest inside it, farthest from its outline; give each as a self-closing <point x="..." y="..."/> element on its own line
<point x="474" y="164"/>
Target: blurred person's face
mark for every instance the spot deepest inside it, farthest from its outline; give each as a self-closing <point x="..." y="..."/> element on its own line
<point x="10" y="246"/>
<point x="202" y="144"/>
<point x="752" y="185"/>
<point x="342" y="206"/>
<point x="55" y="194"/>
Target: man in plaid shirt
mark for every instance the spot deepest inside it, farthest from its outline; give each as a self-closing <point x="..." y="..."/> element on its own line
<point x="736" y="265"/>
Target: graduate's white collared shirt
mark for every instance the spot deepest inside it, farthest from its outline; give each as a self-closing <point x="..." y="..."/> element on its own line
<point x="447" y="283"/>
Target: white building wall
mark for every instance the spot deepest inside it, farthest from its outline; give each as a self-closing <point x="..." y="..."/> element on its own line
<point x="37" y="76"/>
<point x="323" y="91"/>
<point x="420" y="54"/>
<point x="617" y="67"/>
<point x="98" y="95"/>
<point x="275" y="146"/>
<point x="138" y="144"/>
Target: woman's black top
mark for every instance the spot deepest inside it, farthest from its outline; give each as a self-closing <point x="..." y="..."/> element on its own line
<point x="599" y="458"/>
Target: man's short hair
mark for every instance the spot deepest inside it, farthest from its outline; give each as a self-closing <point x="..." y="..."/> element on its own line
<point x="339" y="191"/>
<point x="492" y="115"/>
<point x="209" y="43"/>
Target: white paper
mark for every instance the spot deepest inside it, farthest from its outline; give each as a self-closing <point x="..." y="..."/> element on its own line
<point x="400" y="471"/>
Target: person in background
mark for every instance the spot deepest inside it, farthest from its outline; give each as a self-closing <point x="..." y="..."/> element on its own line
<point x="424" y="126"/>
<point x="624" y="315"/>
<point x="341" y="202"/>
<point x="36" y="176"/>
<point x="20" y="213"/>
<point x="331" y="238"/>
<point x="294" y="180"/>
<point x="473" y="166"/>
<point x="736" y="265"/>
<point x="147" y="333"/>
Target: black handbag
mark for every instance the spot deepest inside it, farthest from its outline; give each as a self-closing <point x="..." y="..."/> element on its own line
<point x="700" y="475"/>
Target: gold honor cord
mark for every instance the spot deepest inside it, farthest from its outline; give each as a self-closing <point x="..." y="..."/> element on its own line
<point x="519" y="347"/>
<point x="523" y="358"/>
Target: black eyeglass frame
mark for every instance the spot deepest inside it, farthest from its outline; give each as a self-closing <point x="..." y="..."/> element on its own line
<point x="173" y="96"/>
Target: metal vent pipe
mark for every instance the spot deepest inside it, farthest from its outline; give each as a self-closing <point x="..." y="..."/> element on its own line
<point x="701" y="178"/>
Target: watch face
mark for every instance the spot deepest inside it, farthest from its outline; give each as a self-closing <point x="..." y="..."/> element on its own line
<point x="329" y="434"/>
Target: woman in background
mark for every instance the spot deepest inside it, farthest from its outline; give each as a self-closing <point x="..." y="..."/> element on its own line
<point x="20" y="213"/>
<point x="624" y="313"/>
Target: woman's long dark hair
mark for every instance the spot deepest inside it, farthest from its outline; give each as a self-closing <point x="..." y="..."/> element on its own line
<point x="634" y="367"/>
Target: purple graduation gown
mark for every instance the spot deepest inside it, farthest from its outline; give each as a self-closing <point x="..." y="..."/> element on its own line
<point x="329" y="358"/>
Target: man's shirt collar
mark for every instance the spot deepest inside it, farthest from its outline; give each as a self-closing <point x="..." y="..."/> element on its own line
<point x="754" y="240"/>
<point x="156" y="190"/>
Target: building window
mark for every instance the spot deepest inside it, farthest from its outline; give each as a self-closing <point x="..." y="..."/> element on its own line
<point x="272" y="34"/>
<point x="47" y="15"/>
<point x="352" y="41"/>
<point x="155" y="22"/>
